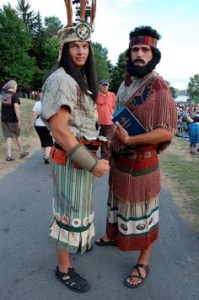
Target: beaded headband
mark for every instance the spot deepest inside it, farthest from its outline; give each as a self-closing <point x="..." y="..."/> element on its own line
<point x="143" y="40"/>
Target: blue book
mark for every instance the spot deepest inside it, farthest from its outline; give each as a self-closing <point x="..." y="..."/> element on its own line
<point x="128" y="121"/>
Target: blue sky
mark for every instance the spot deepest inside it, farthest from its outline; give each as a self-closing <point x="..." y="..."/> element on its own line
<point x="176" y="20"/>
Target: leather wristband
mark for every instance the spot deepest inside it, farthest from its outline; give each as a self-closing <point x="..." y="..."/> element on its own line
<point x="83" y="157"/>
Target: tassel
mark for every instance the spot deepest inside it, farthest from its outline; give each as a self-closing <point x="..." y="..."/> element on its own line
<point x="134" y="189"/>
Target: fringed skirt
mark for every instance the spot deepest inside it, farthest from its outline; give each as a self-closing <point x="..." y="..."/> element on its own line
<point x="72" y="228"/>
<point x="133" y="204"/>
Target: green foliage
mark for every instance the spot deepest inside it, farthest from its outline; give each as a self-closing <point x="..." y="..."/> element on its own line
<point x="193" y="89"/>
<point x="15" y="42"/>
<point x="44" y="50"/>
<point x="28" y="49"/>
<point x="50" y="50"/>
<point x="103" y="65"/>
<point x="185" y="172"/>
<point x="118" y="73"/>
<point x="173" y="90"/>
<point x="50" y="55"/>
<point x="26" y="14"/>
<point x="52" y="25"/>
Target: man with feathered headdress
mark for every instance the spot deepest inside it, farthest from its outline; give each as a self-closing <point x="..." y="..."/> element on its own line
<point x="68" y="107"/>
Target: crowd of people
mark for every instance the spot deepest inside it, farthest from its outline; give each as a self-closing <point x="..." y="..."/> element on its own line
<point x="188" y="124"/>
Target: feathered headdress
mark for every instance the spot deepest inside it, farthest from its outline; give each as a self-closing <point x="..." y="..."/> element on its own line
<point x="81" y="30"/>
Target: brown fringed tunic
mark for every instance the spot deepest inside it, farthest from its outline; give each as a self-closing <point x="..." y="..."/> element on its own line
<point x="133" y="204"/>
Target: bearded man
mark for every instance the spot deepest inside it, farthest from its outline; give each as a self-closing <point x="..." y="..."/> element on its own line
<point x="134" y="183"/>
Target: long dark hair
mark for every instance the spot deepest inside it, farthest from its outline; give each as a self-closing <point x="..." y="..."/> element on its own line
<point x="88" y="71"/>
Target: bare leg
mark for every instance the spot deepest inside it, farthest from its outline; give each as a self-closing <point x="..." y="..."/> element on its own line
<point x="63" y="258"/>
<point x="20" y="147"/>
<point x="47" y="152"/>
<point x="145" y="255"/>
<point x="70" y="278"/>
<point x="9" y="146"/>
<point x="19" y="144"/>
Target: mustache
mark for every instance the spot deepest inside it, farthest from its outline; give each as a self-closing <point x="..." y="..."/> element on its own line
<point x="139" y="60"/>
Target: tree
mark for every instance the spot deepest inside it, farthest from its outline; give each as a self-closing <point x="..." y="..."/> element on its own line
<point x="103" y="65"/>
<point x="38" y="39"/>
<point x="34" y="25"/>
<point x="15" y="42"/>
<point x="44" y="50"/>
<point x="50" y="51"/>
<point x="52" y="25"/>
<point x="193" y="89"/>
<point x="26" y="14"/>
<point x="118" y="73"/>
<point x="173" y="90"/>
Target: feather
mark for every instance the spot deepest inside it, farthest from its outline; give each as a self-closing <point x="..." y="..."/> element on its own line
<point x="69" y="11"/>
<point x="93" y="12"/>
<point x="82" y="10"/>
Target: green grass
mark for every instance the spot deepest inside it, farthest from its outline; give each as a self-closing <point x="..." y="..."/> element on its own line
<point x="26" y="107"/>
<point x="183" y="173"/>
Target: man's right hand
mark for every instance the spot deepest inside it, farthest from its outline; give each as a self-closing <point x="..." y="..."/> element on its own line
<point x="101" y="168"/>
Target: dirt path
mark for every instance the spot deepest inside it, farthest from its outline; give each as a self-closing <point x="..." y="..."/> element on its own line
<point x="30" y="144"/>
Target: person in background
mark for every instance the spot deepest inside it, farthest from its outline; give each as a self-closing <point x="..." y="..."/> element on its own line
<point x="105" y="109"/>
<point x="134" y="182"/>
<point x="42" y="131"/>
<point x="193" y="134"/>
<point x="68" y="106"/>
<point x="11" y="119"/>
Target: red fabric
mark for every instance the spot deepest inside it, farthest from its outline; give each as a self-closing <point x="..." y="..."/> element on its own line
<point x="134" y="189"/>
<point x="135" y="180"/>
<point x="125" y="243"/>
<point x="137" y="164"/>
<point x="144" y="40"/>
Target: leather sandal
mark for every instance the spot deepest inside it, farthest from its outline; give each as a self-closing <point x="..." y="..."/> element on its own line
<point x="10" y="158"/>
<point x="102" y="242"/>
<point x="24" y="154"/>
<point x="73" y="280"/>
<point x="139" y="276"/>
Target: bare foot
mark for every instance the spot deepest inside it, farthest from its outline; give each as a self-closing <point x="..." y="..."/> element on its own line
<point x="137" y="276"/>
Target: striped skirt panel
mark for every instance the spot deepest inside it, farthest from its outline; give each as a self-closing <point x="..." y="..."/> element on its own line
<point x="72" y="227"/>
<point x="135" y="226"/>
